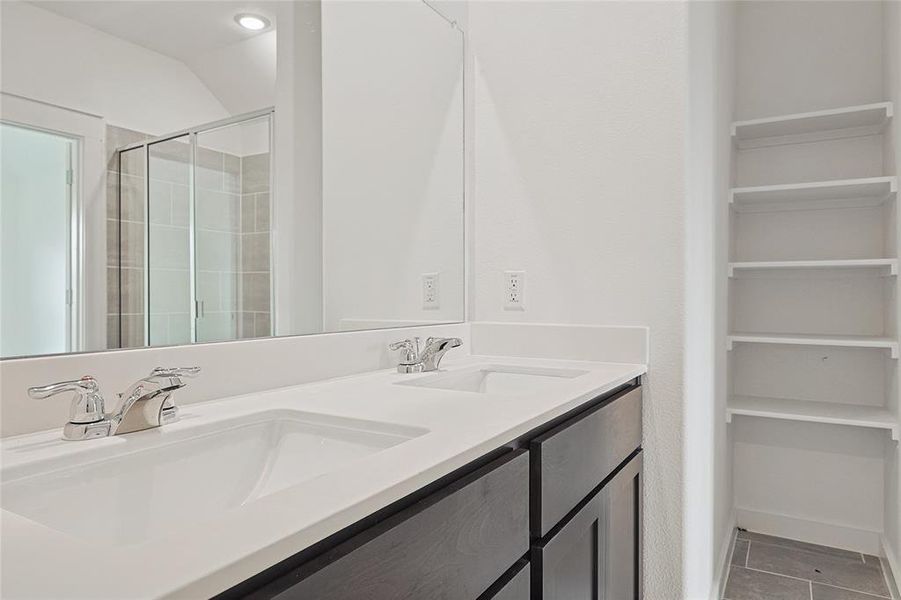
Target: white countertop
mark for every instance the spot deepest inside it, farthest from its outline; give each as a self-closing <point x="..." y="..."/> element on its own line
<point x="211" y="556"/>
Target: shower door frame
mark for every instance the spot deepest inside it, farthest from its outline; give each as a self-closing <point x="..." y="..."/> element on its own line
<point x="191" y="133"/>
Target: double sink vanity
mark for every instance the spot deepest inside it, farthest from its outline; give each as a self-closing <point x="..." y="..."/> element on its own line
<point x="493" y="477"/>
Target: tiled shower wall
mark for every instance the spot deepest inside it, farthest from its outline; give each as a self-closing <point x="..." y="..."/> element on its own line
<point x="256" y="316"/>
<point x="125" y="281"/>
<point x="232" y="258"/>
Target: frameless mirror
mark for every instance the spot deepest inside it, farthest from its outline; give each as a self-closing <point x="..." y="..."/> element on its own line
<point x="184" y="171"/>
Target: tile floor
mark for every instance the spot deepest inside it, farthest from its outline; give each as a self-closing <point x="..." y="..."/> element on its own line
<point x="764" y="567"/>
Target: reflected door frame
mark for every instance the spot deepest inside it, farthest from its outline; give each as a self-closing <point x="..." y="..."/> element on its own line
<point x="87" y="269"/>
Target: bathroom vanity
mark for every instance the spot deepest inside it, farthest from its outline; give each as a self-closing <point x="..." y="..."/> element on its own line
<point x="557" y="510"/>
<point x="497" y="477"/>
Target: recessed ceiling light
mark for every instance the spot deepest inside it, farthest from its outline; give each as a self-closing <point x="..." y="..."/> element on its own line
<point x="252" y="22"/>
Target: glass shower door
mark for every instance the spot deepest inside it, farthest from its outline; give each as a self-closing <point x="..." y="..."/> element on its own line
<point x="168" y="276"/>
<point x="232" y="231"/>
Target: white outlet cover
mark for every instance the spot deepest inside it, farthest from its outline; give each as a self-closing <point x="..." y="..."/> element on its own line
<point x="514" y="290"/>
<point x="431" y="296"/>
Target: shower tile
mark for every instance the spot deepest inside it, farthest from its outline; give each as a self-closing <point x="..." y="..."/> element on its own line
<point x="132" y="198"/>
<point x="209" y="169"/>
<point x="218" y="211"/>
<point x="159" y="330"/>
<point x="132" y="331"/>
<point x="255" y="292"/>
<point x="169" y="291"/>
<point x="169" y="247"/>
<point x="247" y="328"/>
<point x="262" y="212"/>
<point x="112" y="331"/>
<point x="228" y="291"/>
<point x="255" y="252"/>
<point x="112" y="195"/>
<point x="160" y="202"/>
<point x="132" y="249"/>
<point x="131" y="162"/>
<point x="180" y="328"/>
<point x="112" y="290"/>
<point x="112" y="243"/>
<point x="231" y="166"/>
<point x="132" y="290"/>
<point x="262" y="325"/>
<point x="208" y="290"/>
<point x="217" y="250"/>
<point x="248" y="213"/>
<point x="255" y="173"/>
<point x="171" y="162"/>
<point x="181" y="203"/>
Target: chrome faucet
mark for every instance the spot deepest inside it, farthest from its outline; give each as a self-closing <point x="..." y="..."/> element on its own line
<point x="414" y="360"/>
<point x="144" y="405"/>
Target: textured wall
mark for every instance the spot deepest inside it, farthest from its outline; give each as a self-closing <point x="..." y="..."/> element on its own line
<point x="579" y="180"/>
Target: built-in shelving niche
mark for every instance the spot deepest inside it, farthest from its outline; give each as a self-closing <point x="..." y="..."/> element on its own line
<point x="813" y="347"/>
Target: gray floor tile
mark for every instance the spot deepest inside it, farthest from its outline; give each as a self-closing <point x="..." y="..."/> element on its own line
<point x="850" y="573"/>
<point x="745" y="584"/>
<point x="827" y="592"/>
<point x="870" y="559"/>
<point x="740" y="553"/>
<point x="787" y="543"/>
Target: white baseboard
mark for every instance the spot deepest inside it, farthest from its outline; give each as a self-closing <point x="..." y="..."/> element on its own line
<point x="721" y="575"/>
<point x="891" y="567"/>
<point x="815" y="532"/>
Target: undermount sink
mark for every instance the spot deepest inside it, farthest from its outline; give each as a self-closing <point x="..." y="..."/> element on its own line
<point x="496" y="379"/>
<point x="134" y="496"/>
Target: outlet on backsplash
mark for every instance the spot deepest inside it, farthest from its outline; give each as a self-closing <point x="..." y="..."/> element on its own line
<point x="514" y="290"/>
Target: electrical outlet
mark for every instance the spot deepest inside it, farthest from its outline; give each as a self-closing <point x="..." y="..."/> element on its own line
<point x="430" y="294"/>
<point x="514" y="290"/>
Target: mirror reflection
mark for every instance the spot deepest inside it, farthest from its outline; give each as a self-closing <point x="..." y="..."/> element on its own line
<point x="187" y="171"/>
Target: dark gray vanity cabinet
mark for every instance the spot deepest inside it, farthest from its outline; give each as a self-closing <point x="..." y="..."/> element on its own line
<point x="454" y="544"/>
<point x="586" y="504"/>
<point x="596" y="553"/>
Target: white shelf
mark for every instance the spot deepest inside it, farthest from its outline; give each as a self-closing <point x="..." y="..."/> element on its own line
<point x="851" y="121"/>
<point x="868" y="191"/>
<point x="890" y="265"/>
<point x="814" y="412"/>
<point x="841" y="341"/>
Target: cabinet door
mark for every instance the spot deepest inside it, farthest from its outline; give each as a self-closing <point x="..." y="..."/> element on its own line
<point x="596" y="553"/>
<point x="624" y="532"/>
<point x="513" y="585"/>
<point x="570" y="564"/>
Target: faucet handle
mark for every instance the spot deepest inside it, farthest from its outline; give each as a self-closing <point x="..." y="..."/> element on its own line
<point x="175" y="372"/>
<point x="87" y="404"/>
<point x="409" y="348"/>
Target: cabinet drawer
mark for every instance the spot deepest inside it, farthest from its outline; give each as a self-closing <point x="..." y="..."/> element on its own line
<point x="570" y="460"/>
<point x="453" y="544"/>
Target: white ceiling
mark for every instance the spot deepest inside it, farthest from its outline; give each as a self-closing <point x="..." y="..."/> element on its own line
<point x="181" y="29"/>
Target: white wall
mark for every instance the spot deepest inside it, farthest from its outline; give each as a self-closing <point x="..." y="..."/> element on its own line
<point x="892" y="155"/>
<point x="392" y="152"/>
<point x="580" y="111"/>
<point x="54" y="59"/>
<point x="784" y="67"/>
<point x="707" y="493"/>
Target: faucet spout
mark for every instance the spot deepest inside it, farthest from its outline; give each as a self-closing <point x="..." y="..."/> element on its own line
<point x="146" y="404"/>
<point x="434" y="351"/>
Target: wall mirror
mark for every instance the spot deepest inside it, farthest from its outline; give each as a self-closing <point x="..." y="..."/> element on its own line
<point x="176" y="172"/>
